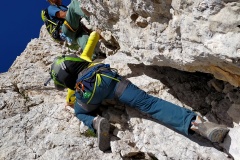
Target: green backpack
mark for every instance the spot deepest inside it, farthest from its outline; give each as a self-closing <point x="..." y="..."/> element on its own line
<point x="53" y="26"/>
<point x="64" y="71"/>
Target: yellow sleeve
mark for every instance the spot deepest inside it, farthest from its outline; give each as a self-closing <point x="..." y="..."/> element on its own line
<point x="70" y="96"/>
<point x="90" y="46"/>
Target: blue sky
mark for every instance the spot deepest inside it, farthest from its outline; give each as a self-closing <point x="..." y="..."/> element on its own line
<point x="20" y="22"/>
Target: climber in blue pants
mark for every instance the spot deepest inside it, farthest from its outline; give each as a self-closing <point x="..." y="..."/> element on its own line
<point x="168" y="113"/>
<point x="90" y="83"/>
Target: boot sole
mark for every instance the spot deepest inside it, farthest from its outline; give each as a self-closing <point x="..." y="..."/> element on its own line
<point x="218" y="134"/>
<point x="103" y="135"/>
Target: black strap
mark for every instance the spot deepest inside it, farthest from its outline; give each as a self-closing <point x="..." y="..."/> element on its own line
<point x="121" y="86"/>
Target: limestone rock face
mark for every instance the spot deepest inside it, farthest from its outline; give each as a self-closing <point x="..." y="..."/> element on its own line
<point x="199" y="35"/>
<point x="159" y="46"/>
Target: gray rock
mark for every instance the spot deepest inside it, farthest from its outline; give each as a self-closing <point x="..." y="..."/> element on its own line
<point x="159" y="46"/>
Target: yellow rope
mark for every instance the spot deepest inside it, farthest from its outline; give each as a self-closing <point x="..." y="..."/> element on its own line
<point x="69" y="27"/>
<point x="94" y="89"/>
<point x="98" y="81"/>
<point x="110" y="77"/>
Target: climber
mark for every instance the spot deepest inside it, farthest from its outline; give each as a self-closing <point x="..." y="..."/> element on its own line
<point x="90" y="83"/>
<point x="72" y="27"/>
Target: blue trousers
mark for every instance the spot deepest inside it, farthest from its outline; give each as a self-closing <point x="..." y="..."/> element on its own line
<point x="167" y="113"/>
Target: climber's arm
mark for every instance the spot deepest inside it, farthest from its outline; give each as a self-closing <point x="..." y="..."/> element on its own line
<point x="90" y="46"/>
<point x="61" y="14"/>
<point x="54" y="11"/>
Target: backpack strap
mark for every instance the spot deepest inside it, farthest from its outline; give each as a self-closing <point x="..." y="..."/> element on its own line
<point x="121" y="86"/>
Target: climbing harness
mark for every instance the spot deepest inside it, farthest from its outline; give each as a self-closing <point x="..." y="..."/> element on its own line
<point x="95" y="72"/>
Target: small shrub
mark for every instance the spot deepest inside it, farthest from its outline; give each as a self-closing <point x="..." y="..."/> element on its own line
<point x="89" y="133"/>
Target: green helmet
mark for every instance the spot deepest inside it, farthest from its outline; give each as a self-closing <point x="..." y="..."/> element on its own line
<point x="64" y="71"/>
<point x="57" y="73"/>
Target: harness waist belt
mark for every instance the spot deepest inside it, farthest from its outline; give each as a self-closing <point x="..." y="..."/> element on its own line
<point x="87" y="107"/>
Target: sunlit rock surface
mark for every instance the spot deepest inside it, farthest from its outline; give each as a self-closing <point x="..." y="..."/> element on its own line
<point x="159" y="46"/>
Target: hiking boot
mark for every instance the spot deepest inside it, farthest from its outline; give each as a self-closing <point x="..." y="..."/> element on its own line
<point x="212" y="131"/>
<point x="102" y="126"/>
